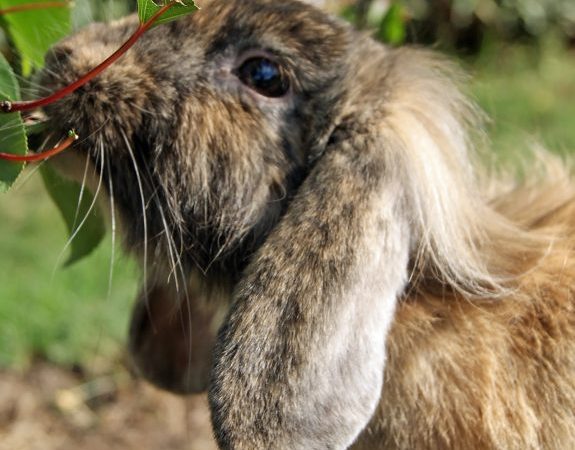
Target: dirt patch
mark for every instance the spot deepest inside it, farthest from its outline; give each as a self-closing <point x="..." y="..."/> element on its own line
<point x="50" y="408"/>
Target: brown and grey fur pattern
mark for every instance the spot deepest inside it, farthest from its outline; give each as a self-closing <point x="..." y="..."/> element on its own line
<point x="369" y="290"/>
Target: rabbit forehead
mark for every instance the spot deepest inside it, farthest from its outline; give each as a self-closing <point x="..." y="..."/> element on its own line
<point x="297" y="31"/>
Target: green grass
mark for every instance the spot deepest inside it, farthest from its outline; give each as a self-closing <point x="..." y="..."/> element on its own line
<point x="529" y="95"/>
<point x="67" y="316"/>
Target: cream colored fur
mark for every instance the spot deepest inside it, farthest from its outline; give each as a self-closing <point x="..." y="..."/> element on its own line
<point x="481" y="354"/>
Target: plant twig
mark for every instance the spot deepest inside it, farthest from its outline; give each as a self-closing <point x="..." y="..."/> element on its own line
<point x="35" y="157"/>
<point x="7" y="106"/>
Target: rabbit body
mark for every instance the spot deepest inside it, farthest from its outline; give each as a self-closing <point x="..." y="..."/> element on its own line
<point x="318" y="252"/>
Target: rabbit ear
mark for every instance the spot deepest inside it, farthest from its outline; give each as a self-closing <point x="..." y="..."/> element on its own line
<point x="299" y="361"/>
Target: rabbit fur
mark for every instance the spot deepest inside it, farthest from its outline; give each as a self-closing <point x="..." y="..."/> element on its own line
<point x="329" y="264"/>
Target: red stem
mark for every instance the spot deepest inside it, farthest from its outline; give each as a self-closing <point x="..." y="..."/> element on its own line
<point x="41" y="156"/>
<point x="7" y="106"/>
<point x="31" y="6"/>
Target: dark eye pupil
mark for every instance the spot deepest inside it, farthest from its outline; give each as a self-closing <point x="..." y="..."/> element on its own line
<point x="264" y="76"/>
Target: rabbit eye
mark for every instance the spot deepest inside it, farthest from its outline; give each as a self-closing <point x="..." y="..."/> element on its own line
<point x="264" y="76"/>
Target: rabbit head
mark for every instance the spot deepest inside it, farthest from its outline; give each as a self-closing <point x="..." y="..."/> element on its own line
<point x="212" y="118"/>
<point x="270" y="158"/>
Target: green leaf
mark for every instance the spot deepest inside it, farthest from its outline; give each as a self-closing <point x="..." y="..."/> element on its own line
<point x="34" y="32"/>
<point x="147" y="8"/>
<point x="392" y="28"/>
<point x="36" y="128"/>
<point x="84" y="213"/>
<point x="12" y="133"/>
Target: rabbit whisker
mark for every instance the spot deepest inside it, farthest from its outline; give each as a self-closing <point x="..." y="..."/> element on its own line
<point x="143" y="206"/>
<point x="175" y="260"/>
<point x="82" y="190"/>
<point x="78" y="228"/>
<point x="113" y="225"/>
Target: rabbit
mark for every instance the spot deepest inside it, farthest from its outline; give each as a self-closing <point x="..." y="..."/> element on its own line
<point x="321" y="251"/>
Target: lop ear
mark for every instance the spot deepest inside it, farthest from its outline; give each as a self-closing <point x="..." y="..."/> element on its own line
<point x="299" y="361"/>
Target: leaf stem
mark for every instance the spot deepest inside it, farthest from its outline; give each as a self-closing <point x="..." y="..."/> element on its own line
<point x="7" y="106"/>
<point x="72" y="137"/>
<point x="31" y="6"/>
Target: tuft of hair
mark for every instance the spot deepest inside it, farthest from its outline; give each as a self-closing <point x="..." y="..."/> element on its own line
<point x="468" y="236"/>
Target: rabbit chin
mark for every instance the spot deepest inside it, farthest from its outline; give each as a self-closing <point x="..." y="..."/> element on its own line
<point x="173" y="332"/>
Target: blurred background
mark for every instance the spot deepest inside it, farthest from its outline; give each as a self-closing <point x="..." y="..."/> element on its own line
<point x="63" y="377"/>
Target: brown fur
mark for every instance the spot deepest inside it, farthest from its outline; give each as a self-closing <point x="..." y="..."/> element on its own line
<point x="486" y="374"/>
<point x="378" y="291"/>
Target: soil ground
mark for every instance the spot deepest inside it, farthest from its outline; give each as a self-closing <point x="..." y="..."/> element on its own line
<point x="49" y="408"/>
